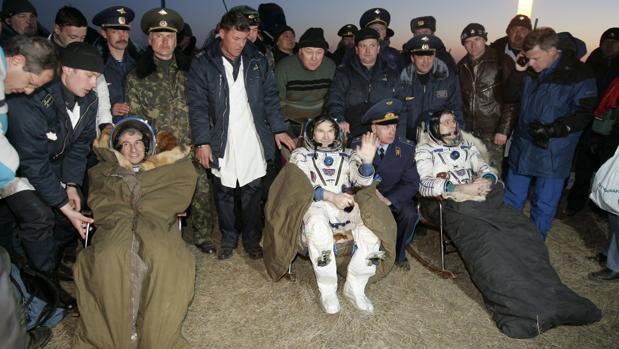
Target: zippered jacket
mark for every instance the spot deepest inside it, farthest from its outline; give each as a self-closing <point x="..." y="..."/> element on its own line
<point x="50" y="149"/>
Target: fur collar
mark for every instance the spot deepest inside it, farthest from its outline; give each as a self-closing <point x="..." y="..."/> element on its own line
<point x="146" y="65"/>
<point x="440" y="71"/>
<point x="167" y="157"/>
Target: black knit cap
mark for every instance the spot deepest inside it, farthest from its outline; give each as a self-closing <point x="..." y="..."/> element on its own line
<point x="611" y="33"/>
<point x="471" y="30"/>
<point x="81" y="55"/>
<point x="519" y="21"/>
<point x="13" y="7"/>
<point x="313" y="37"/>
<point x="366" y="33"/>
<point x="281" y="30"/>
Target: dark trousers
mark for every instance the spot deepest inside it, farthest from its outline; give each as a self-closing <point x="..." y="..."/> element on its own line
<point x="251" y="213"/>
<point x="406" y="218"/>
<point x="587" y="160"/>
<point x="42" y="230"/>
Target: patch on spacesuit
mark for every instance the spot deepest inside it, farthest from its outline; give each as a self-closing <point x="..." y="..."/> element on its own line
<point x="324" y="259"/>
<point x="461" y="172"/>
<point x="441" y="94"/>
<point x="328" y="160"/>
<point x="442" y="175"/>
<point x="313" y="176"/>
<point x="375" y="257"/>
<point x="328" y="171"/>
<point x="454" y="155"/>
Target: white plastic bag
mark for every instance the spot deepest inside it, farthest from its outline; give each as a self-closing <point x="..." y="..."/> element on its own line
<point x="605" y="188"/>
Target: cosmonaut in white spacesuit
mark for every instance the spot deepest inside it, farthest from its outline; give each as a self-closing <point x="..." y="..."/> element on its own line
<point x="333" y="170"/>
<point x="448" y="161"/>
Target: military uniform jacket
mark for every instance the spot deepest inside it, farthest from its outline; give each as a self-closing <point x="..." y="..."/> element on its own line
<point x="396" y="172"/>
<point x="159" y="97"/>
<point x="50" y="149"/>
<point x="115" y="74"/>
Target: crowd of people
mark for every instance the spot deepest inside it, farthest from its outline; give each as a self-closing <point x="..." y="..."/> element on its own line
<point x="277" y="141"/>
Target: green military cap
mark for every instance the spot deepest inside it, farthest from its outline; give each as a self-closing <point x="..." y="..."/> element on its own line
<point x="161" y="19"/>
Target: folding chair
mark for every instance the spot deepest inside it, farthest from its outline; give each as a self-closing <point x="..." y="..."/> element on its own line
<point x="445" y="243"/>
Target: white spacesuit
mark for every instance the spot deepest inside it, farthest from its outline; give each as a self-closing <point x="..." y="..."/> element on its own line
<point x="335" y="169"/>
<point x="442" y="165"/>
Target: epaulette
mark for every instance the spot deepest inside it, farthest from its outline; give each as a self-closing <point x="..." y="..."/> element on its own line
<point x="47" y="100"/>
<point x="407" y="142"/>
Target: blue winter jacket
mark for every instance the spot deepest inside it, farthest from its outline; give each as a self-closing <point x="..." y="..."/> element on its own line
<point x="208" y="99"/>
<point x="567" y="91"/>
<point x="441" y="92"/>
<point x="51" y="151"/>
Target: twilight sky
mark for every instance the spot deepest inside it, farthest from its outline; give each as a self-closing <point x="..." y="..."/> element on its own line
<point x="586" y="20"/>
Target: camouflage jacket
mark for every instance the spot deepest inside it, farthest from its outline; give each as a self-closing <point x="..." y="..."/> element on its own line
<point x="160" y="97"/>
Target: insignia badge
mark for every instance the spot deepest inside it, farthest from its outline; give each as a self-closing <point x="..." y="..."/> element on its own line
<point x="162" y="12"/>
<point x="47" y="100"/>
<point x="442" y="175"/>
<point x="328" y="171"/>
<point x="441" y="94"/>
<point x="425" y="47"/>
<point x="377" y="11"/>
<point x="163" y="24"/>
<point x="425" y="38"/>
<point x="389" y="102"/>
<point x="521" y="18"/>
<point x="409" y="98"/>
<point x="121" y="11"/>
<point x="420" y="22"/>
<point x="398" y="151"/>
<point x="121" y="20"/>
<point x="328" y="161"/>
<point x="472" y="31"/>
<point x="455" y="155"/>
<point x="51" y="136"/>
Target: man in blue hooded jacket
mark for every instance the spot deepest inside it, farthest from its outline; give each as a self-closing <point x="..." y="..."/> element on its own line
<point x="557" y="98"/>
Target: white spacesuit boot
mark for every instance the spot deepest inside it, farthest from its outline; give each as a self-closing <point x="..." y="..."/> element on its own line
<point x="320" y="246"/>
<point x="359" y="271"/>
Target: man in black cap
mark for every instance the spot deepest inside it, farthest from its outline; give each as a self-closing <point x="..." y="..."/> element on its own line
<point x="236" y="124"/>
<point x="360" y="82"/>
<point x="427" y="84"/>
<point x="156" y="90"/>
<point x="395" y="170"/>
<point x="19" y="17"/>
<point x="379" y="19"/>
<point x="115" y="23"/>
<point x="426" y="25"/>
<point x="52" y="131"/>
<point x="347" y="33"/>
<point x="486" y="116"/>
<point x="70" y="25"/>
<point x="303" y="80"/>
<point x="508" y="47"/>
